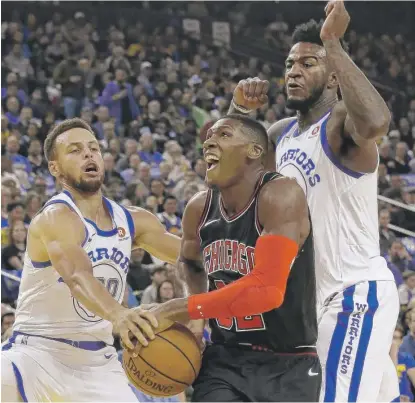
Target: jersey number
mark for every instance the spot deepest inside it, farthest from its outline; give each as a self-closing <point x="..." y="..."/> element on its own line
<point x="110" y="284"/>
<point x="242" y="324"/>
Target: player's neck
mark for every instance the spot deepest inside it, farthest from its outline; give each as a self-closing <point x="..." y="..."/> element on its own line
<point x="236" y="197"/>
<point x="89" y="204"/>
<point x="316" y="112"/>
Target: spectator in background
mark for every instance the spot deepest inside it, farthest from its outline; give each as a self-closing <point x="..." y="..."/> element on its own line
<point x="149" y="155"/>
<point x="7" y="320"/>
<point x="68" y="74"/>
<point x="138" y="276"/>
<point x="130" y="148"/>
<point x="33" y="204"/>
<point x="399" y="258"/>
<point x="132" y="171"/>
<point x="119" y="98"/>
<point x="407" y="290"/>
<point x="109" y="166"/>
<point x="401" y="159"/>
<point x="405" y="366"/>
<point x="408" y="342"/>
<point x="12" y="256"/>
<point x="12" y="152"/>
<point x="102" y="114"/>
<point x="165" y="292"/>
<point x="158" y="191"/>
<point x="158" y="275"/>
<point x="387" y="237"/>
<point x="13" y="111"/>
<point x="169" y="217"/>
<point x="383" y="178"/>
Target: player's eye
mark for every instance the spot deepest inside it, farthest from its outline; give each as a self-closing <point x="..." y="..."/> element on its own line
<point x="307" y="65"/>
<point x="75" y="150"/>
<point x="224" y="134"/>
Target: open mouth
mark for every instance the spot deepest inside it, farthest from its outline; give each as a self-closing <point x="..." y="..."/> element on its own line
<point x="293" y="86"/>
<point x="91" y="168"/>
<point x="211" y="160"/>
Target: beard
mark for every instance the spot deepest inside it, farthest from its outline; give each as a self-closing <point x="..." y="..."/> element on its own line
<point x="84" y="186"/>
<point x="303" y="105"/>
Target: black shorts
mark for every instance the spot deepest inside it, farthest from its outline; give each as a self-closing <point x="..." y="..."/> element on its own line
<point x="235" y="374"/>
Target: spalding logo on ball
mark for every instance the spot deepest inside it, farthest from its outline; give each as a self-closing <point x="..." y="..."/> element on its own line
<point x="168" y="365"/>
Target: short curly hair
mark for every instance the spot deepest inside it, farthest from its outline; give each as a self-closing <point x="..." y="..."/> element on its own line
<point x="310" y="32"/>
<point x="68" y="124"/>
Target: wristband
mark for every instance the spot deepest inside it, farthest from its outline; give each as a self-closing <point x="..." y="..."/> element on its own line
<point x="240" y="108"/>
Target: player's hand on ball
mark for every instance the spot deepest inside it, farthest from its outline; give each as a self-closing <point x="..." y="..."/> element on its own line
<point x="337" y="21"/>
<point x="135" y="323"/>
<point x="251" y="93"/>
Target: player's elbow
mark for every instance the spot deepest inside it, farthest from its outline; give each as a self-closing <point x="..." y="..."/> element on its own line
<point x="273" y="298"/>
<point x="378" y="127"/>
<point x="259" y="300"/>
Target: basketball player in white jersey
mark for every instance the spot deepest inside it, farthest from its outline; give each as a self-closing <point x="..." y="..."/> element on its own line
<point x="73" y="283"/>
<point x="329" y="147"/>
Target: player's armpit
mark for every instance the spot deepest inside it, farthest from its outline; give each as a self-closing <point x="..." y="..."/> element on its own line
<point x="151" y="235"/>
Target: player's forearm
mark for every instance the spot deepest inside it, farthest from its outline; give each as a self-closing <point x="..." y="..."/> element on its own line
<point x="366" y="108"/>
<point x="194" y="275"/>
<point x="92" y="294"/>
<point x="260" y="291"/>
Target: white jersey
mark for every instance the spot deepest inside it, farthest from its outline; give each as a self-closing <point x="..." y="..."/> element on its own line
<point x="343" y="208"/>
<point x="45" y="305"/>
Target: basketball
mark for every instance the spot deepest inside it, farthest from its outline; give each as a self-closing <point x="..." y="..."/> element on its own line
<point x="168" y="365"/>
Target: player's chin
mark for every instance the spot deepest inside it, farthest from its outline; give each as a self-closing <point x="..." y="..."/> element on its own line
<point x="296" y="101"/>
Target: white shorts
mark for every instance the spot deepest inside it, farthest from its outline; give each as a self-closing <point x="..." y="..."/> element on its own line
<point x="47" y="370"/>
<point x="355" y="335"/>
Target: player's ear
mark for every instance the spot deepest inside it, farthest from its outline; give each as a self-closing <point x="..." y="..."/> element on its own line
<point x="332" y="82"/>
<point x="255" y="151"/>
<point x="54" y="168"/>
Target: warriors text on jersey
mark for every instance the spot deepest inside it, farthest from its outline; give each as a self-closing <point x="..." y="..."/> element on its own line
<point x="228" y="246"/>
<point x="45" y="305"/>
<point x="343" y="207"/>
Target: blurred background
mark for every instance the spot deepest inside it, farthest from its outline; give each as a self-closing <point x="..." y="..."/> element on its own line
<point x="151" y="77"/>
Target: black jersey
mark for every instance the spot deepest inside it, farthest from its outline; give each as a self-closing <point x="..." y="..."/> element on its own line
<point x="228" y="246"/>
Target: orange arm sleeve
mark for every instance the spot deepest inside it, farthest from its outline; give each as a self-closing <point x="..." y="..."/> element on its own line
<point x="260" y="291"/>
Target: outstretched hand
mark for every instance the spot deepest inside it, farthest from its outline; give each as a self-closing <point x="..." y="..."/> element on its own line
<point x="337" y="21"/>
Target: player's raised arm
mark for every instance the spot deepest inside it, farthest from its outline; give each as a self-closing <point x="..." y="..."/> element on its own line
<point x="283" y="214"/>
<point x="152" y="236"/>
<point x="368" y="116"/>
<point x="60" y="233"/>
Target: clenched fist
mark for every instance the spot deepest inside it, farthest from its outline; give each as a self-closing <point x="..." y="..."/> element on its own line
<point x="337" y="21"/>
<point x="251" y="93"/>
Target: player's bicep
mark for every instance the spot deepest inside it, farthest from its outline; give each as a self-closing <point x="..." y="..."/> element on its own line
<point x="283" y="209"/>
<point x="152" y="236"/>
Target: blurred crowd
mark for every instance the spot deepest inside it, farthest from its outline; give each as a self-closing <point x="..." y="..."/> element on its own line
<point x="149" y="94"/>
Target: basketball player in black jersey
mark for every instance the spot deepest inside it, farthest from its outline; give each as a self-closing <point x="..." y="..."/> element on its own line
<point x="250" y="237"/>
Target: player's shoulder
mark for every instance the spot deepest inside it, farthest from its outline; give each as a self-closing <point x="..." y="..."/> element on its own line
<point x="55" y="221"/>
<point x="281" y="189"/>
<point x="277" y="129"/>
<point x="196" y="206"/>
<point x="198" y="202"/>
